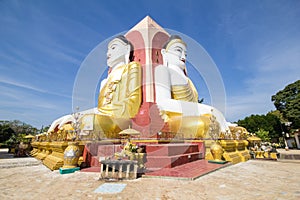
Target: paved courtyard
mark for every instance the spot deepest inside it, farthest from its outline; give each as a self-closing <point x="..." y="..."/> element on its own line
<point x="250" y="180"/>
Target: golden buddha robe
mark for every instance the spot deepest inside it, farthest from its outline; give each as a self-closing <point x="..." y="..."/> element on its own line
<point x="186" y="126"/>
<point x="119" y="101"/>
<point x="189" y="127"/>
<point x="186" y="92"/>
<point x="121" y="95"/>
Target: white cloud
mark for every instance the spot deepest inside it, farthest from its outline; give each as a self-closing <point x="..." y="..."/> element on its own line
<point x="276" y="65"/>
<point x="5" y="80"/>
<point x="28" y="86"/>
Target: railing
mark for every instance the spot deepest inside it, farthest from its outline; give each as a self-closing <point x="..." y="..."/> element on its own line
<point x="118" y="169"/>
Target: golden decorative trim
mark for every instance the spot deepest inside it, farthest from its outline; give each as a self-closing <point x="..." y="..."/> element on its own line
<point x="173" y="42"/>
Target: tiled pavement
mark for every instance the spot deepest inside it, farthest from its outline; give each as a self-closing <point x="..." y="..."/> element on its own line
<point x="189" y="171"/>
<point x="254" y="179"/>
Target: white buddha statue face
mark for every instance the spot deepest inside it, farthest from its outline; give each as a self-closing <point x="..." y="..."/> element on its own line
<point x="175" y="54"/>
<point x="117" y="53"/>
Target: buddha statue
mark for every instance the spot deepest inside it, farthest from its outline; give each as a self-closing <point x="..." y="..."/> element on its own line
<point x="120" y="95"/>
<point x="177" y="97"/>
<point x="119" y="98"/>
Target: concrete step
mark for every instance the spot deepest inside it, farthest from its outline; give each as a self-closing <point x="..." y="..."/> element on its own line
<point x="188" y="171"/>
<point x="172" y="161"/>
<point x="170" y="149"/>
<point x="172" y="155"/>
<point x="19" y="162"/>
<point x="288" y="155"/>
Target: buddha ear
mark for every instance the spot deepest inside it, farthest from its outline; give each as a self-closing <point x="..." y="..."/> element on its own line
<point x="127" y="54"/>
<point x="164" y="55"/>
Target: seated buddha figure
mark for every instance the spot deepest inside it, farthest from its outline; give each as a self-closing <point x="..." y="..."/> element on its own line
<point x="120" y="93"/>
<point x="177" y="97"/>
<point x="119" y="97"/>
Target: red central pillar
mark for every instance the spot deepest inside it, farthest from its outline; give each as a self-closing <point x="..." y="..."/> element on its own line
<point x="148" y="38"/>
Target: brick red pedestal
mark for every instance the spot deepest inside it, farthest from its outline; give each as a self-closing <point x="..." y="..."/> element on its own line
<point x="172" y="155"/>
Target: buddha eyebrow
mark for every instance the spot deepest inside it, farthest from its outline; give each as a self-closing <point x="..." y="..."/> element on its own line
<point x="179" y="48"/>
<point x="112" y="45"/>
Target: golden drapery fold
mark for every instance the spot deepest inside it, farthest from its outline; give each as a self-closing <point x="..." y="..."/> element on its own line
<point x="121" y="96"/>
<point x="186" y="92"/>
<point x="186" y="126"/>
<point x="119" y="101"/>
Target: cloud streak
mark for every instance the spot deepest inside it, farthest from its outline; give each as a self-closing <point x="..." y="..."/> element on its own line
<point x="5" y="80"/>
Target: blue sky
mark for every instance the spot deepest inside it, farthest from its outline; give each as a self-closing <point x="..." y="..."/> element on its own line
<point x="255" y="45"/>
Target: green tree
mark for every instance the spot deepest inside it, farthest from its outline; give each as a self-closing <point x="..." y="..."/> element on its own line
<point x="21" y="127"/>
<point x="14" y="131"/>
<point x="287" y="101"/>
<point x="278" y="114"/>
<point x="5" y="132"/>
<point x="263" y="135"/>
<point x="268" y="122"/>
<point x="44" y="129"/>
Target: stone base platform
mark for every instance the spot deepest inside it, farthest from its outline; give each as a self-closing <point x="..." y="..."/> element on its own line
<point x="184" y="151"/>
<point x="235" y="151"/>
<point x="171" y="155"/>
<point x="54" y="161"/>
<point x="159" y="154"/>
<point x="292" y="155"/>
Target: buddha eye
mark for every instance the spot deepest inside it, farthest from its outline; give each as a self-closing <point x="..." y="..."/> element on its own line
<point x="113" y="47"/>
